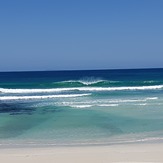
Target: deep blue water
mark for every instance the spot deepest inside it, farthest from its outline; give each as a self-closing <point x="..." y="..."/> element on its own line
<point x="81" y="107"/>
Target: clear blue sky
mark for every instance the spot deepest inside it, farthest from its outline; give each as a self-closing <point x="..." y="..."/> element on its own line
<point x="80" y="34"/>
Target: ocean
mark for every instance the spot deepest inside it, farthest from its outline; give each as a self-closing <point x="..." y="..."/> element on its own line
<point x="93" y="107"/>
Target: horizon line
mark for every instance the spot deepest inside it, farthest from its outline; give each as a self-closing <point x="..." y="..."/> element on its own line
<point x="105" y="69"/>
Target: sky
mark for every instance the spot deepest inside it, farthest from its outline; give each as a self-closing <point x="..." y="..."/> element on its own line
<point x="80" y="34"/>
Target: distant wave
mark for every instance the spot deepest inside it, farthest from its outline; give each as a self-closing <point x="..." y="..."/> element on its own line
<point x="41" y="97"/>
<point x="102" y="83"/>
<point x="154" y="87"/>
<point x="84" y="82"/>
<point x="91" y="82"/>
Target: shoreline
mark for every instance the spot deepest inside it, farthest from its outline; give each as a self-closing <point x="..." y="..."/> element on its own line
<point x="114" y="141"/>
<point x="142" y="152"/>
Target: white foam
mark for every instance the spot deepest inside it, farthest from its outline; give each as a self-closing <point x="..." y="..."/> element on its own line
<point x="149" y="81"/>
<point x="81" y="106"/>
<point x="88" y="105"/>
<point x="3" y="90"/>
<point x="41" y="97"/>
<point x="108" y="105"/>
<point x="90" y="82"/>
<point x="84" y="82"/>
<point x="152" y="98"/>
<point x="133" y="100"/>
<point x="120" y="88"/>
<point x="143" y="104"/>
<point x="127" y="101"/>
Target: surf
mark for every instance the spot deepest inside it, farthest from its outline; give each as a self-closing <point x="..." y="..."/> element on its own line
<point x="19" y="91"/>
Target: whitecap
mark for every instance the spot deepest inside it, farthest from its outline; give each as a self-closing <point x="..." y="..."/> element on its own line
<point x="155" y="87"/>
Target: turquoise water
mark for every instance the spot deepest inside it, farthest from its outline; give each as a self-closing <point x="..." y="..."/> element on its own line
<point x="81" y="107"/>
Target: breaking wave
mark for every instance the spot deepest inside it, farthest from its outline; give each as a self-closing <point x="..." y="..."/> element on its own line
<point x="154" y="87"/>
<point x="102" y="83"/>
<point x="84" y="82"/>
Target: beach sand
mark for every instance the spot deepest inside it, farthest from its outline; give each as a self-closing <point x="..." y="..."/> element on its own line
<point x="85" y="154"/>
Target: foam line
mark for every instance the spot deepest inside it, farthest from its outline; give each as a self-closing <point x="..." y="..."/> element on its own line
<point x="155" y="87"/>
<point x="41" y="97"/>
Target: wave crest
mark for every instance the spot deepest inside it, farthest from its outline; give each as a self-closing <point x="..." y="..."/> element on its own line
<point x="82" y="82"/>
<point x="155" y="87"/>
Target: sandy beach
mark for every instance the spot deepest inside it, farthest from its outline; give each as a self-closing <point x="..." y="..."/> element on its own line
<point x="89" y="154"/>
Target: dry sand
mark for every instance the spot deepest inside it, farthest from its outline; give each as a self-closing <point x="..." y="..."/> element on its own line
<point x="92" y="154"/>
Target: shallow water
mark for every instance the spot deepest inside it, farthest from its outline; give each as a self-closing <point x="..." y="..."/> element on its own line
<point x="81" y="107"/>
